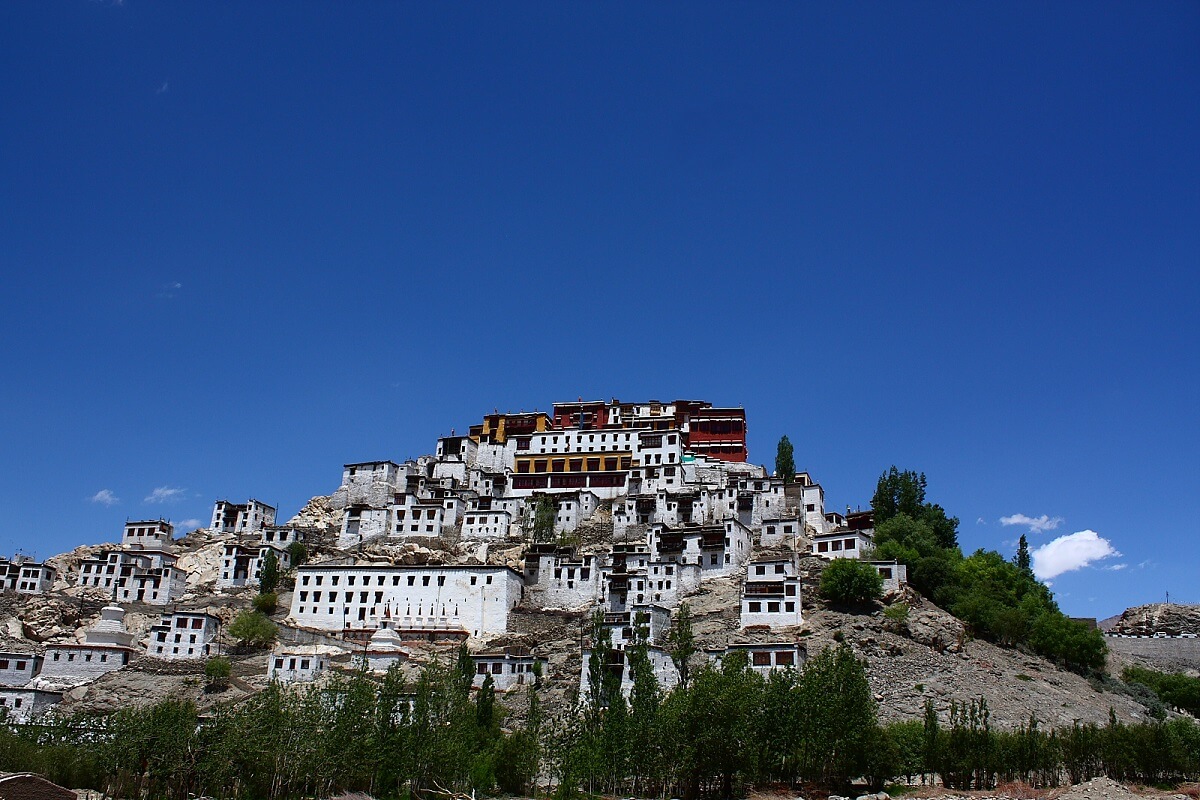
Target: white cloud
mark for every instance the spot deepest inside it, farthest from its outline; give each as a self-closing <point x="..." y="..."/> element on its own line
<point x="1116" y="567"/>
<point x="164" y="494"/>
<point x="106" y="497"/>
<point x="163" y="89"/>
<point x="1035" y="524"/>
<point x="189" y="525"/>
<point x="1069" y="553"/>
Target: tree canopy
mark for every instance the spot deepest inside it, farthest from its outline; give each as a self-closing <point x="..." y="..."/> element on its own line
<point x="899" y="493"/>
<point x="253" y="629"/>
<point x="848" y="581"/>
<point x="1000" y="600"/>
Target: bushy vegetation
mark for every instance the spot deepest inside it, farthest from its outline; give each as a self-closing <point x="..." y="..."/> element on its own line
<point x="217" y="670"/>
<point x="266" y="603"/>
<point x="297" y="554"/>
<point x="850" y="582"/>
<point x="354" y="734"/>
<point x="729" y="729"/>
<point x="1000" y="600"/>
<point x="253" y="629"/>
<point x="1173" y="688"/>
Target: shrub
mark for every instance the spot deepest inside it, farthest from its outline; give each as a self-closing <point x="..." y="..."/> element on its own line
<point x="851" y="582"/>
<point x="897" y="613"/>
<point x="266" y="603"/>
<point x="297" y="554"/>
<point x="252" y="629"/>
<point x="218" y="669"/>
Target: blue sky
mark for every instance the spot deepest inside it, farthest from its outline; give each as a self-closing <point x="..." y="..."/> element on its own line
<point x="243" y="244"/>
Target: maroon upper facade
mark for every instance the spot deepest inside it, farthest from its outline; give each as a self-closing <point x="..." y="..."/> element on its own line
<point x="714" y="432"/>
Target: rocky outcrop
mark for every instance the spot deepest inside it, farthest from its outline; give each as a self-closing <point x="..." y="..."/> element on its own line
<point x="318" y="514"/>
<point x="935" y="629"/>
<point x="1163" y="619"/>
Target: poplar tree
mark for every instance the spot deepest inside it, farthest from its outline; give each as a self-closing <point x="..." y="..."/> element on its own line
<point x="1023" y="560"/>
<point x="785" y="463"/>
<point x="269" y="575"/>
<point x="681" y="643"/>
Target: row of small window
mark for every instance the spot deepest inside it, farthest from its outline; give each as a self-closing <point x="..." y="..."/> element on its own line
<point x="333" y="597"/>
<point x="17" y="702"/>
<point x="366" y="580"/>
<point x="761" y="588"/>
<point x="304" y="663"/>
<point x="772" y="608"/>
<point x="20" y="665"/>
<point x="836" y="545"/>
<point x="362" y="611"/>
<point x="88" y="657"/>
<point x="162" y="637"/>
<point x="761" y="569"/>
<point x="432" y="513"/>
<point x="783" y="658"/>
<point x="145" y="532"/>
<point x="591" y="437"/>
<point x="640" y="585"/>
<point x="175" y="650"/>
<point x="414" y="528"/>
<point x="714" y="559"/>
<point x="771" y="529"/>
<point x="497" y="668"/>
<point x="585" y="573"/>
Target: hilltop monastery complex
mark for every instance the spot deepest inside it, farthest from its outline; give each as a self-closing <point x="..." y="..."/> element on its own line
<point x="662" y="490"/>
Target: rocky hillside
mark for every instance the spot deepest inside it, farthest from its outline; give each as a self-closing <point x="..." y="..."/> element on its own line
<point x="927" y="654"/>
<point x="1164" y="619"/>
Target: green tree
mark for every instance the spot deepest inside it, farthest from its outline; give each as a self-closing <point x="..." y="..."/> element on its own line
<point x="840" y="716"/>
<point x="785" y="463"/>
<point x="681" y="643"/>
<point x="604" y="684"/>
<point x="851" y="582"/>
<point x="297" y="554"/>
<point x="266" y="602"/>
<point x="912" y="541"/>
<point x="899" y="492"/>
<point x="1023" y="560"/>
<point x="1173" y="688"/>
<point x="268" y="576"/>
<point x="217" y="670"/>
<point x="252" y="629"/>
<point x="542" y="525"/>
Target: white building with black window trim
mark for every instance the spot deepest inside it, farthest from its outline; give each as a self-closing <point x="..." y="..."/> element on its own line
<point x="249" y="517"/>
<point x="472" y="599"/>
<point x="841" y="544"/>
<point x="300" y="663"/>
<point x="766" y="657"/>
<point x="18" y="668"/>
<point x="107" y="646"/>
<point x="184" y="635"/>
<point x="771" y="593"/>
<point x="511" y="668"/>
<point x="25" y="704"/>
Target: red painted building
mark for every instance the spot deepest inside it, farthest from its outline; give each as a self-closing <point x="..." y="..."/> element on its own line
<point x="714" y="432"/>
